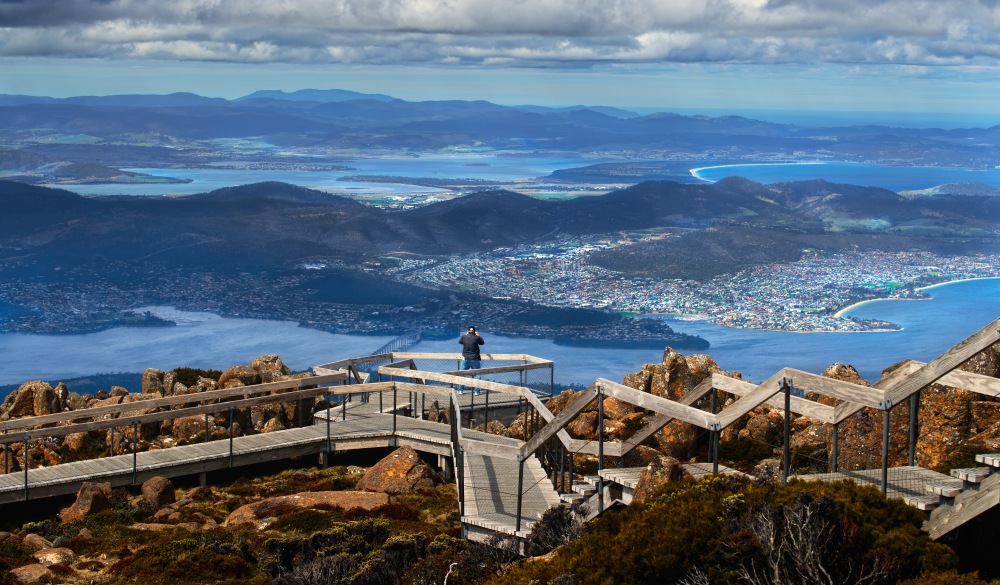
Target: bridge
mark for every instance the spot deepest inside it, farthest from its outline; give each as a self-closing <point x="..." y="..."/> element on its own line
<point x="504" y="484"/>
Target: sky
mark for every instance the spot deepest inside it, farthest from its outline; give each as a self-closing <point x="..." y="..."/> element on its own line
<point x="844" y="55"/>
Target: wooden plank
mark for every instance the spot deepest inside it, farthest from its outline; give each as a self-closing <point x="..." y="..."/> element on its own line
<point x="941" y="365"/>
<point x="491" y="450"/>
<point x="567" y="414"/>
<point x="799" y="405"/>
<point x="498" y="369"/>
<point x="546" y="414"/>
<point x="846" y="391"/>
<point x="343" y="364"/>
<point x="486" y="356"/>
<point x="750" y="400"/>
<point x="408" y="364"/>
<point x="661" y="420"/>
<point x="978" y="383"/>
<point x="657" y="404"/>
<point x="456" y="380"/>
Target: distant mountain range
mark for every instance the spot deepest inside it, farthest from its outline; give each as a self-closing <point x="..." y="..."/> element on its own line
<point x="727" y="225"/>
<point x="135" y="129"/>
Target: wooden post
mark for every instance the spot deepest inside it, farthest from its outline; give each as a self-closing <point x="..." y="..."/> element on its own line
<point x="787" y="456"/>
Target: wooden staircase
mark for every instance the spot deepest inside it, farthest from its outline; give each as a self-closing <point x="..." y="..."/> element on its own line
<point x="973" y="491"/>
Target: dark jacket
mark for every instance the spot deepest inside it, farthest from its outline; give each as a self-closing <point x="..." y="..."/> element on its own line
<point x="470" y="346"/>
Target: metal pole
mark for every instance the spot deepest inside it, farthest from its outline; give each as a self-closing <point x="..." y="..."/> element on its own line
<point x="27" y="464"/>
<point x="836" y="446"/>
<point x="914" y="409"/>
<point x="394" y="414"/>
<point x="299" y="407"/>
<point x="788" y="429"/>
<point x="715" y="452"/>
<point x="135" y="449"/>
<point x="380" y="409"/>
<point x="232" y="409"/>
<point x="486" y="410"/>
<point x="472" y="408"/>
<point x="326" y="457"/>
<point x="423" y="404"/>
<point x="520" y="495"/>
<point x="562" y="469"/>
<point x="343" y="404"/>
<point x="552" y="380"/>
<point x="600" y="449"/>
<point x="885" y="451"/>
<point x="206" y="427"/>
<point x="111" y="447"/>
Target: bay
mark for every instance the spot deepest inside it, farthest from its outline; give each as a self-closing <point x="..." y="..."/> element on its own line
<point x="489" y="167"/>
<point x="203" y="340"/>
<point x="892" y="178"/>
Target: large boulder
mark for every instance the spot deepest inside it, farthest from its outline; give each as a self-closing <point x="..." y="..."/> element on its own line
<point x="92" y="498"/>
<point x="237" y="376"/>
<point x="270" y="368"/>
<point x="158" y="492"/>
<point x="152" y="381"/>
<point x="341" y="499"/>
<point x="35" y="398"/>
<point x="33" y="573"/>
<point x="400" y="472"/>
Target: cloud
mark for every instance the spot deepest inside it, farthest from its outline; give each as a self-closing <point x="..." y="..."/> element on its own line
<point x="529" y="33"/>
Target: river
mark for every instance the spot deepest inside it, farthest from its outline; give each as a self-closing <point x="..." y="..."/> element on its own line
<point x="208" y="341"/>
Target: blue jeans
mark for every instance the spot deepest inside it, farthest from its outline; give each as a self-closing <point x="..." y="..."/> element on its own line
<point x="470" y="365"/>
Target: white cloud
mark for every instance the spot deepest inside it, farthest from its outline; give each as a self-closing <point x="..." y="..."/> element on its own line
<point x="517" y="32"/>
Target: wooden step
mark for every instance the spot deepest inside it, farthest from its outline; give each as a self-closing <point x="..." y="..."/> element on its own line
<point x="972" y="474"/>
<point x="946" y="488"/>
<point x="584" y="488"/>
<point x="991" y="459"/>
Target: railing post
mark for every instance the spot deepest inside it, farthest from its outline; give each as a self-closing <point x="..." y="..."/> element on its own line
<point x="836" y="447"/>
<point x="885" y="450"/>
<point x="914" y="408"/>
<point x="298" y="405"/>
<point x="486" y="410"/>
<point x="520" y="492"/>
<point x="562" y="468"/>
<point x="600" y="448"/>
<point x="552" y="380"/>
<point x="786" y="446"/>
<point x="343" y="403"/>
<point x="394" y="410"/>
<point x="472" y="408"/>
<point x="232" y="410"/>
<point x="206" y="427"/>
<point x="111" y="443"/>
<point x="27" y="464"/>
<point x="326" y="457"/>
<point x="135" y="449"/>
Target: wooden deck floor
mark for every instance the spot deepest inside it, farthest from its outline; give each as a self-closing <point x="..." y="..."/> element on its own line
<point x="907" y="483"/>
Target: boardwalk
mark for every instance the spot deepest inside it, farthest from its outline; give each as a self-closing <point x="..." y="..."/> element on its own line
<point x="504" y="484"/>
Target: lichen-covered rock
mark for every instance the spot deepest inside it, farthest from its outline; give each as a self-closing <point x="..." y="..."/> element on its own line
<point x="158" y="492"/>
<point x="190" y="428"/>
<point x="256" y="511"/>
<point x="152" y="381"/>
<point x="270" y="368"/>
<point x="658" y="472"/>
<point x="53" y="556"/>
<point x="400" y="472"/>
<point x="92" y="498"/>
<point x="36" y="542"/>
<point x="237" y="376"/>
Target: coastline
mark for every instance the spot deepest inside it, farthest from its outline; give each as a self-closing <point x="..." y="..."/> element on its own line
<point x="842" y="312"/>
<point x="696" y="172"/>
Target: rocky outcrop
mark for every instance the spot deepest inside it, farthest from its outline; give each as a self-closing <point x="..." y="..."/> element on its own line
<point x="658" y="472"/>
<point x="237" y="376"/>
<point x="92" y="498"/>
<point x="346" y="500"/>
<point x="401" y="472"/>
<point x="270" y="368"/>
<point x="35" y="398"/>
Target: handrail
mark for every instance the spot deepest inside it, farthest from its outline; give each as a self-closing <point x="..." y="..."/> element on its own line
<point x="156" y="416"/>
<point x="69" y="415"/>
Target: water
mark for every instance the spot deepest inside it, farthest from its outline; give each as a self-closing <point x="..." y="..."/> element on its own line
<point x="892" y="178"/>
<point x="488" y="167"/>
<point x="207" y="341"/>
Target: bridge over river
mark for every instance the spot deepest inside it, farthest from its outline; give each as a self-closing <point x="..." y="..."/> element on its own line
<point x="504" y="484"/>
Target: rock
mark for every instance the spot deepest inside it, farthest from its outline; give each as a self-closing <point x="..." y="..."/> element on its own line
<point x="659" y="471"/>
<point x="641" y="456"/>
<point x="119" y="391"/>
<point x="36" y="542"/>
<point x="53" y="556"/>
<point x="494" y="427"/>
<point x="272" y="425"/>
<point x="92" y="498"/>
<point x="401" y="472"/>
<point x="768" y="470"/>
<point x="159" y="527"/>
<point x="75" y="401"/>
<point x="269" y="368"/>
<point x="152" y="381"/>
<point x="158" y="492"/>
<point x="35" y="573"/>
<point x="169" y="383"/>
<point x="346" y="500"/>
<point x="189" y="428"/>
<point x="202" y="493"/>
<point x="35" y="398"/>
<point x="244" y="375"/>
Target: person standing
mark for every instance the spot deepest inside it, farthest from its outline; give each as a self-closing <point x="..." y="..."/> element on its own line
<point x="471" y="360"/>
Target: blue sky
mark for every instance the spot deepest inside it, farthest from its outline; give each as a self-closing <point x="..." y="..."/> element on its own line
<point x="865" y="55"/>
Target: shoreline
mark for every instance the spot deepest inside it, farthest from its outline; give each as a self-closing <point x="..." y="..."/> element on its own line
<point x="842" y="312"/>
<point x="695" y="172"/>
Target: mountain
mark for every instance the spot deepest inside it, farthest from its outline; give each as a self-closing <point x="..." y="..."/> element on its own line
<point x="724" y="226"/>
<point x="315" y="95"/>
